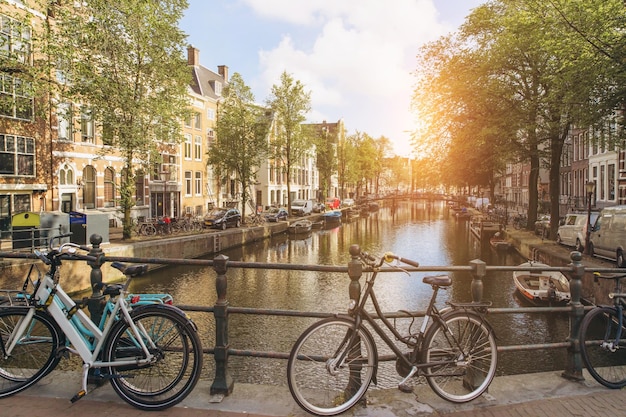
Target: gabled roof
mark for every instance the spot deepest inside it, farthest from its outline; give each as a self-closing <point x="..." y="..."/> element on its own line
<point x="204" y="81"/>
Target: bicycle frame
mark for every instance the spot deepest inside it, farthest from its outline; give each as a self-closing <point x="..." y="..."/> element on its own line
<point x="359" y="313"/>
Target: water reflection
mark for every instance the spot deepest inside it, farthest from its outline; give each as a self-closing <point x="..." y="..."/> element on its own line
<point x="426" y="232"/>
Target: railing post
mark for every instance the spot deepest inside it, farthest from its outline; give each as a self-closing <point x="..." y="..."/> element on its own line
<point x="479" y="270"/>
<point x="223" y="383"/>
<point x="574" y="366"/>
<point x="96" y="301"/>
<point x="355" y="270"/>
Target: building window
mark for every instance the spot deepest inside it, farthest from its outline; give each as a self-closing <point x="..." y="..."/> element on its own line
<point x="198" y="183"/>
<point x="210" y="114"/>
<point x="17" y="155"/>
<point x="109" y="187"/>
<point x="66" y="175"/>
<point x="187" y="150"/>
<point x="89" y="187"/>
<point x="197" y="121"/>
<point x="188" y="183"/>
<point x="16" y="97"/>
<point x="86" y="127"/>
<point x="197" y="148"/>
<point x="21" y="203"/>
<point x="140" y="190"/>
<point x="210" y="138"/>
<point x="64" y="122"/>
<point x="15" y="40"/>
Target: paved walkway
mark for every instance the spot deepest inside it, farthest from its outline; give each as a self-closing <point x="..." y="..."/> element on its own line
<point x="530" y="395"/>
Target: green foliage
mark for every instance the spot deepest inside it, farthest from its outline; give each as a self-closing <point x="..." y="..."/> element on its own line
<point x="290" y="103"/>
<point x="509" y="85"/>
<point x="124" y="61"/>
<point x="242" y="137"/>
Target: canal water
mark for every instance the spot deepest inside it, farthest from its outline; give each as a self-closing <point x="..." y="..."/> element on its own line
<point x="426" y="232"/>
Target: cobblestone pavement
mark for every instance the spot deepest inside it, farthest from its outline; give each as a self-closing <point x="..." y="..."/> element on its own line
<point x="544" y="394"/>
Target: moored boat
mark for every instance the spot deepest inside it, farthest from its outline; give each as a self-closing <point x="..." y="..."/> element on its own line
<point x="499" y="243"/>
<point x="332" y="216"/>
<point x="300" y="227"/>
<point x="542" y="287"/>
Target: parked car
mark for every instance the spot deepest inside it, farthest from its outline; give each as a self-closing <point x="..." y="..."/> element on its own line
<point x="542" y="225"/>
<point x="221" y="218"/>
<point x="319" y="207"/>
<point x="347" y="202"/>
<point x="333" y="203"/>
<point x="608" y="236"/>
<point x="276" y="214"/>
<point x="573" y="230"/>
<point x="301" y="207"/>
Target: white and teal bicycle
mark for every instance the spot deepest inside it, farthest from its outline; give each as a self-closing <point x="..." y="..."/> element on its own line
<point x="149" y="350"/>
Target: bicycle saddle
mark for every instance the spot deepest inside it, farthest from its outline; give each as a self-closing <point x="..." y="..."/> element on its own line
<point x="439" y="280"/>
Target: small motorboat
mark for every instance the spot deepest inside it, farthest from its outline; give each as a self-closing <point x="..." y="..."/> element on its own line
<point x="542" y="288"/>
<point x="499" y="243"/>
<point x="332" y="216"/>
<point x="301" y="227"/>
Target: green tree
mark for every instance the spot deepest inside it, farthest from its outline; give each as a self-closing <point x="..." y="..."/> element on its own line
<point x="509" y="86"/>
<point x="242" y="137"/>
<point x="290" y="104"/>
<point x="124" y="61"/>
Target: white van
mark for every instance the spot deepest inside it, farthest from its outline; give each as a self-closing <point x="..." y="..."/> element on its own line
<point x="608" y="236"/>
<point x="573" y="229"/>
<point x="301" y="207"/>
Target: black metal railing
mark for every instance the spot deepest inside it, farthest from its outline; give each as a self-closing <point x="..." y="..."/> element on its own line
<point x="223" y="383"/>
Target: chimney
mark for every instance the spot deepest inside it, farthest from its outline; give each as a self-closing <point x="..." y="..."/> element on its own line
<point x="223" y="71"/>
<point x="193" y="56"/>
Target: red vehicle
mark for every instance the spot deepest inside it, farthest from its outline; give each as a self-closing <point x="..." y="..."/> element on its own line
<point x="333" y="203"/>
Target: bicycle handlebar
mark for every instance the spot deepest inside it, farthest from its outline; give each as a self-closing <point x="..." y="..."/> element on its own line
<point x="597" y="275"/>
<point x="387" y="257"/>
<point x="390" y="256"/>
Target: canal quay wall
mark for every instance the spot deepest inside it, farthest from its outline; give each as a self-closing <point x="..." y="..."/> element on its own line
<point x="76" y="275"/>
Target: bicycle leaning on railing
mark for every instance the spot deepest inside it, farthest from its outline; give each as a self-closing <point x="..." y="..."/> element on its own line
<point x="150" y="351"/>
<point x="333" y="362"/>
<point x="603" y="338"/>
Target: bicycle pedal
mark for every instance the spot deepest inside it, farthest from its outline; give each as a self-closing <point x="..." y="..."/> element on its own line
<point x="406" y="388"/>
<point x="80" y="394"/>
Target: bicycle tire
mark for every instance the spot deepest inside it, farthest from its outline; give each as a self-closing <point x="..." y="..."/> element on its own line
<point x="34" y="356"/>
<point x="599" y="327"/>
<point x="149" y="230"/>
<point x="463" y="348"/>
<point x="315" y="384"/>
<point x="178" y="365"/>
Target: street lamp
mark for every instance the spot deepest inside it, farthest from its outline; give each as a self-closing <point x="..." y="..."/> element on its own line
<point x="590" y="187"/>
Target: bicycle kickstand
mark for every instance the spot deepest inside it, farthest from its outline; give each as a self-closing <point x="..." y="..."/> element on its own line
<point x="403" y="385"/>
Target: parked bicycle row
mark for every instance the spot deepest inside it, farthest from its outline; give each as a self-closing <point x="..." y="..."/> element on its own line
<point x="151" y="353"/>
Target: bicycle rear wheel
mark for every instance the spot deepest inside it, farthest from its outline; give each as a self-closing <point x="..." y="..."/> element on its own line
<point x="463" y="353"/>
<point x="35" y="353"/>
<point x="178" y="358"/>
<point x="329" y="370"/>
<point x="605" y="361"/>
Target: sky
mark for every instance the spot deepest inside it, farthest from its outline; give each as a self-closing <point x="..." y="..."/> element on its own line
<point x="355" y="57"/>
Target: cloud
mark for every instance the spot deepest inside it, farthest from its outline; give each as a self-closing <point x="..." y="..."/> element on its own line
<point x="355" y="56"/>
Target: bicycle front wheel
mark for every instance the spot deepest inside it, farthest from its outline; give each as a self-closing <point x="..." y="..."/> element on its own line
<point x="330" y="366"/>
<point x="603" y="354"/>
<point x="462" y="355"/>
<point x="35" y="353"/>
<point x="177" y="350"/>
